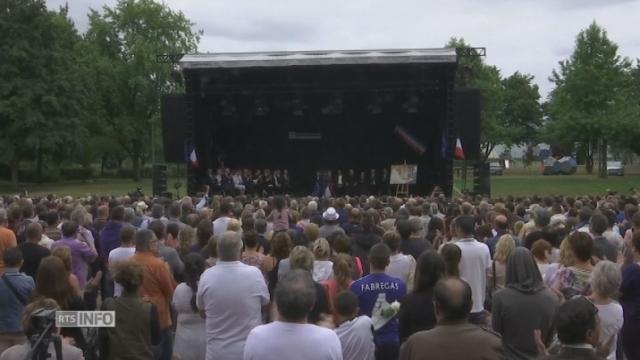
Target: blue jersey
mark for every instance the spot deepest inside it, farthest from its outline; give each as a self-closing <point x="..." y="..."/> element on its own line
<point x="368" y="290"/>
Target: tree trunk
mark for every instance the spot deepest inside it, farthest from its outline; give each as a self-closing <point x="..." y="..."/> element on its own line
<point x="15" y="166"/>
<point x="602" y="167"/>
<point x="589" y="162"/>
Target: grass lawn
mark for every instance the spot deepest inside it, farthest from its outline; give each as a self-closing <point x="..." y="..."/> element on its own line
<point x="97" y="187"/>
<point x="561" y="185"/>
<point x="500" y="186"/>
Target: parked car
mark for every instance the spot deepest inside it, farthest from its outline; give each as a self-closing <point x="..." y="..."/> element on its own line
<point x="495" y="168"/>
<point x="615" y="168"/>
<point x="562" y="166"/>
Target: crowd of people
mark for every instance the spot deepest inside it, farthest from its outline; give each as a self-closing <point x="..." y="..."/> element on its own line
<point x="244" y="277"/>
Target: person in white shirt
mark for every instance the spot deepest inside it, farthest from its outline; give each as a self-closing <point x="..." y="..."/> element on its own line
<point x="355" y="332"/>
<point x="474" y="264"/>
<point x="322" y="266"/>
<point x="400" y="266"/>
<point x="126" y="250"/>
<point x="291" y="337"/>
<point x="605" y="282"/>
<point x="230" y="296"/>
<point x="222" y="222"/>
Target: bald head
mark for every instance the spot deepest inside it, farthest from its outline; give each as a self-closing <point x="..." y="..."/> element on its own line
<point x="229" y="246"/>
<point x="501" y="222"/>
<point x="452" y="297"/>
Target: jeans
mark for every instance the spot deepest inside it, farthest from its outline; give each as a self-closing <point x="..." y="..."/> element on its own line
<point x="164" y="350"/>
<point x="387" y="351"/>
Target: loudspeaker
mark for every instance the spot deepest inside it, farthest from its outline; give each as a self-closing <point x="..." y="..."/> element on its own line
<point x="481" y="178"/>
<point x="173" y="110"/>
<point x="467" y="115"/>
<point x="159" y="180"/>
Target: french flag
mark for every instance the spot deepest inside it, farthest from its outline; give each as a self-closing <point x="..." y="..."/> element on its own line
<point x="409" y="140"/>
<point x="459" y="153"/>
<point x="193" y="158"/>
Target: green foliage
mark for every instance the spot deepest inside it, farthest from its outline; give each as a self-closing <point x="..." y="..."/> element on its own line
<point x="590" y="102"/>
<point x="122" y="45"/>
<point x="511" y="110"/>
<point x="41" y="95"/>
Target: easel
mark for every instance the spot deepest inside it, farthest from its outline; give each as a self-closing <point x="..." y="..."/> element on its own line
<point x="402" y="189"/>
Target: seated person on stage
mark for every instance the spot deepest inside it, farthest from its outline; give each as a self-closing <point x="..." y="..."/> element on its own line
<point x="238" y="182"/>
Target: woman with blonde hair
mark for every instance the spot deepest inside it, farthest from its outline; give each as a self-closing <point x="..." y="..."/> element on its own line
<point x="186" y="240"/>
<point x="322" y="266"/>
<point x="343" y="267"/>
<point x="497" y="274"/>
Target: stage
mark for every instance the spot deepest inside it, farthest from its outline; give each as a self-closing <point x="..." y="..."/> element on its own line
<point x="316" y="111"/>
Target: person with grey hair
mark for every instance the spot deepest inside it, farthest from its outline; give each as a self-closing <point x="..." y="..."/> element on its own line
<point x="291" y="336"/>
<point x="605" y="282"/>
<point x="230" y="296"/>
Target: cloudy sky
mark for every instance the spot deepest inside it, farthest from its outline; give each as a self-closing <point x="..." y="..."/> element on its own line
<point x="526" y="35"/>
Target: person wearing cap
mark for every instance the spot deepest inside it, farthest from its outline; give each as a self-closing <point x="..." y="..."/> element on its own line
<point x="331" y="223"/>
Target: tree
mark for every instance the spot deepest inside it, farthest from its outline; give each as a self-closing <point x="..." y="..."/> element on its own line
<point x="511" y="109"/>
<point x="124" y="42"/>
<point x="41" y="97"/>
<point x="590" y="101"/>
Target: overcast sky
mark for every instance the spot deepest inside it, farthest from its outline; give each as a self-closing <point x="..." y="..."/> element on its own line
<point x="526" y="35"/>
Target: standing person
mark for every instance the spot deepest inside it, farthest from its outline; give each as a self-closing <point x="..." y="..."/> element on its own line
<point x="602" y="248"/>
<point x="124" y="252"/>
<point x="523" y="306"/>
<point x="53" y="231"/>
<point x="630" y="301"/>
<point x="574" y="280"/>
<point x="577" y="324"/>
<point x="411" y="246"/>
<point x="497" y="273"/>
<point x="83" y="252"/>
<point x="110" y="233"/>
<point x="157" y="286"/>
<point x="251" y="256"/>
<point x="605" y="282"/>
<point x="416" y="309"/>
<point x="302" y="259"/>
<point x="231" y="296"/>
<point x="331" y="223"/>
<point x="376" y="292"/>
<point x="7" y="238"/>
<point x="190" y="336"/>
<point x="355" y="332"/>
<point x="454" y="337"/>
<point x="363" y="240"/>
<point x="451" y="254"/>
<point x="474" y="264"/>
<point x="343" y="268"/>
<point x="322" y="266"/>
<point x="279" y="215"/>
<point x="15" y="290"/>
<point x="291" y="337"/>
<point x="32" y="253"/>
<point x="222" y="222"/>
<point x="138" y="324"/>
<point x="401" y="266"/>
<point x="52" y="281"/>
<point x="169" y="254"/>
